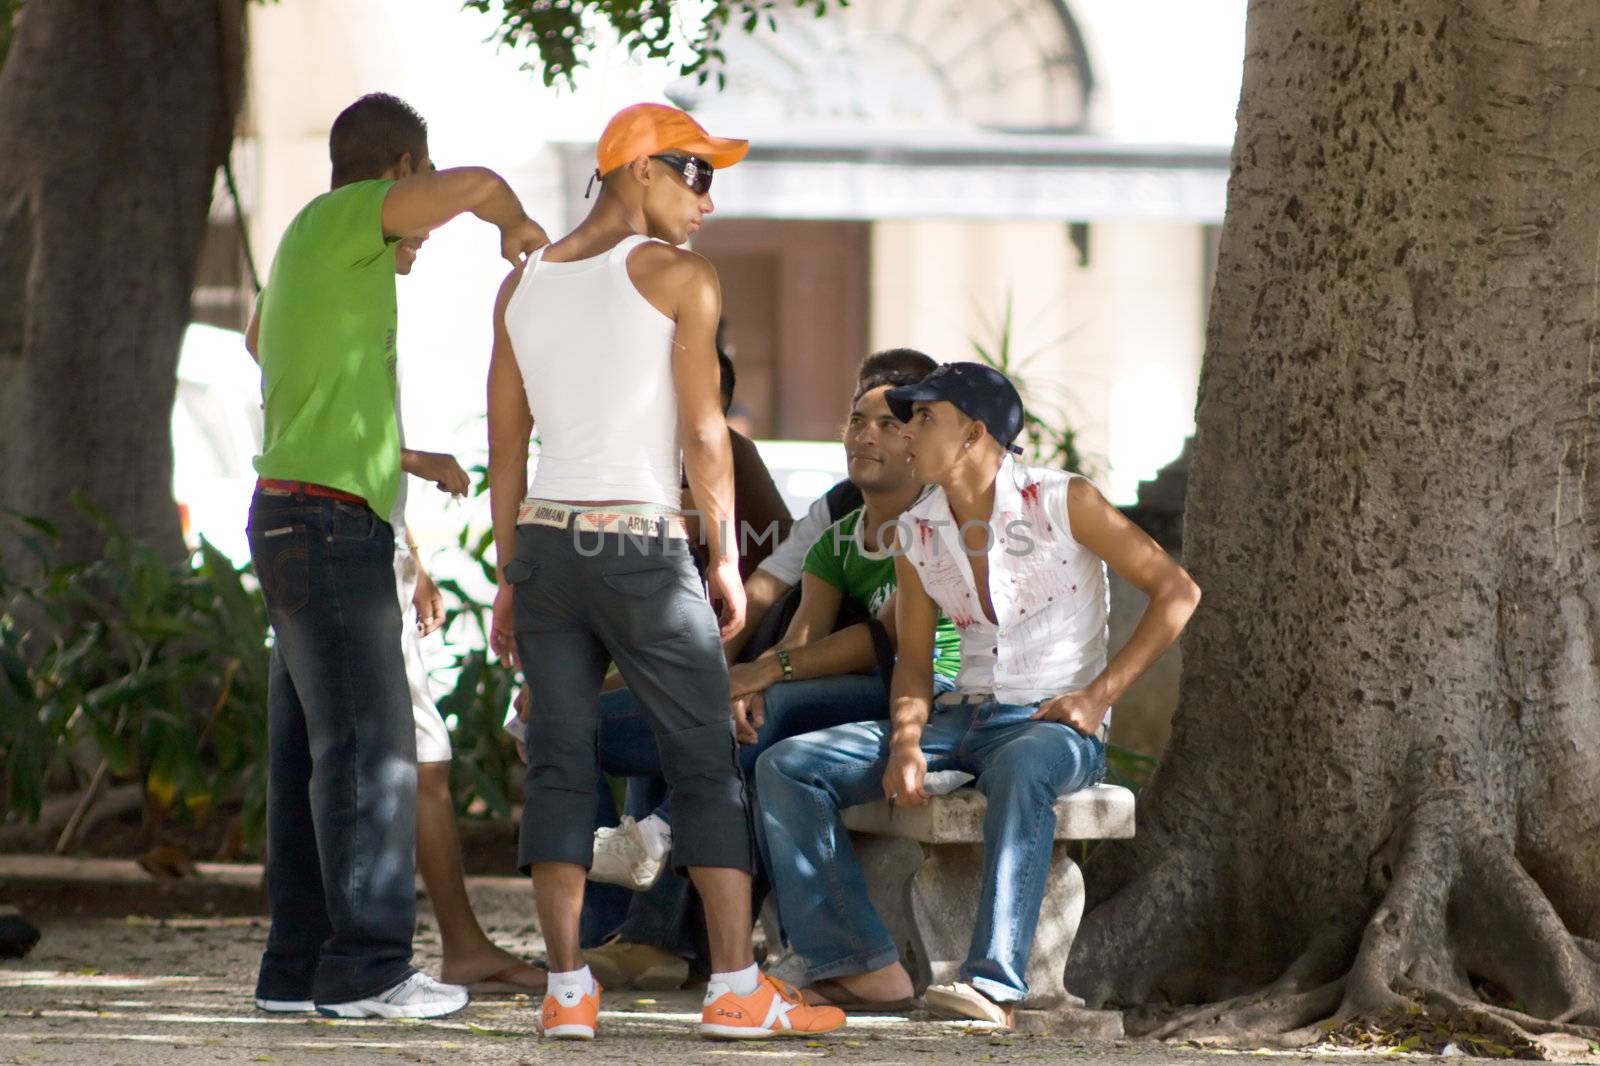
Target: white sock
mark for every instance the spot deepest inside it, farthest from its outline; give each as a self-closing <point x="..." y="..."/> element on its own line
<point x="571" y="986"/>
<point x="655" y="832"/>
<point x="740" y="982"/>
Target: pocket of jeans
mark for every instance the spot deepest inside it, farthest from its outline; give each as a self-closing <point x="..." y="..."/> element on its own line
<point x="641" y="582"/>
<point x="353" y="521"/>
<point x="283" y="567"/>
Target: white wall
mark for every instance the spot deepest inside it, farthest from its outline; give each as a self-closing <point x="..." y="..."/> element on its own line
<point x="1166" y="71"/>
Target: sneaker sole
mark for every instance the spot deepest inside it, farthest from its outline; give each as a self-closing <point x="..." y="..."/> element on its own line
<point x="569" y="1032"/>
<point x="351" y="1010"/>
<point x="750" y="1032"/>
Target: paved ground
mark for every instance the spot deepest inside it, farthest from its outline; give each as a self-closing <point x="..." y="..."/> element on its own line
<point x="105" y="989"/>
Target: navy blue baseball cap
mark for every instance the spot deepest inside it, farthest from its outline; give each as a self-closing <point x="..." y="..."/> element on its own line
<point x="980" y="392"/>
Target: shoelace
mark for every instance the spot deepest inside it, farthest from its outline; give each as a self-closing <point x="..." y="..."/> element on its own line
<point x="786" y="1000"/>
<point x="399" y="991"/>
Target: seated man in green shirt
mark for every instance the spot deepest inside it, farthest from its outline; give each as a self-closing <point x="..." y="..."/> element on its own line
<point x="817" y="676"/>
<point x="341" y="806"/>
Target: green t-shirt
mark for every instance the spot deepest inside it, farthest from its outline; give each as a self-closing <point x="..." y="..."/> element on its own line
<point x="867" y="578"/>
<point x="327" y="349"/>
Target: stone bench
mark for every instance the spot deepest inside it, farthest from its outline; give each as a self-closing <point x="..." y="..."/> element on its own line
<point x="924" y="870"/>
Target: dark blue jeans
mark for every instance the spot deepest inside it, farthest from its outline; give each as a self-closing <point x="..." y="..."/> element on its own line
<point x="342" y="784"/>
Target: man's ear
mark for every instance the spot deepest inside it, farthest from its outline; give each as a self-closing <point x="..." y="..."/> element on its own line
<point x="403" y="167"/>
<point x="975" y="433"/>
<point x="641" y="170"/>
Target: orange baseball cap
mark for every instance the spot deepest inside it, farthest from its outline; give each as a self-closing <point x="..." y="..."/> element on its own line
<point x="652" y="129"/>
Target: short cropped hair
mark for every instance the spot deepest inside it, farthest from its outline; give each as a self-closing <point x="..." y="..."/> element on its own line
<point x="893" y="367"/>
<point x="371" y="135"/>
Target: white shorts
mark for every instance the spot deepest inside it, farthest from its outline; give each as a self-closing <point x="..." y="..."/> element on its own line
<point x="433" y="739"/>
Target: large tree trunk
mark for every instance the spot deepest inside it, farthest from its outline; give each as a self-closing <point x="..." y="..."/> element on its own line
<point x="113" y="121"/>
<point x="1383" y="784"/>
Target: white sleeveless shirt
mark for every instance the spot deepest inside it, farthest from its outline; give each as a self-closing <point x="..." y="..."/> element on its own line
<point x="1050" y="594"/>
<point x="596" y="362"/>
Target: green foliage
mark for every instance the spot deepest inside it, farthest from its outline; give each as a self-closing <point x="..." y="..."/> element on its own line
<point x="1047" y="439"/>
<point x="157" y="670"/>
<point x="1129" y="768"/>
<point x="561" y="34"/>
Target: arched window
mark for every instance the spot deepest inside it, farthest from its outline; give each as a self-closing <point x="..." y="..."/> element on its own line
<point x="1005" y="65"/>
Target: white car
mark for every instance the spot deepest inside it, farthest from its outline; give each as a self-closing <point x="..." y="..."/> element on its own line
<point x="802" y="469"/>
<point x="216" y="433"/>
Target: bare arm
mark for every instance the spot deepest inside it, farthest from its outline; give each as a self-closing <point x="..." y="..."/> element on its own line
<point x="813" y="620"/>
<point x="252" y="332"/>
<point x="422" y="202"/>
<point x="1139" y="561"/>
<point x="761" y="591"/>
<point x="441" y="468"/>
<point x="703" y="431"/>
<point x="845" y="651"/>
<point x="510" y="427"/>
<point x="911" y="694"/>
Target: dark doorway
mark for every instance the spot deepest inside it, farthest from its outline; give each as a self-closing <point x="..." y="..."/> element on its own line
<point x="795" y="298"/>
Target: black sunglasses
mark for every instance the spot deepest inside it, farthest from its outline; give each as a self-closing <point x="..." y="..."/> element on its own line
<point x="695" y="172"/>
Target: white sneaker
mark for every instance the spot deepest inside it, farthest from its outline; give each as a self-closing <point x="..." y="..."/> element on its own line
<point x="418" y="996"/>
<point x="621" y="858"/>
<point x="285" y="1006"/>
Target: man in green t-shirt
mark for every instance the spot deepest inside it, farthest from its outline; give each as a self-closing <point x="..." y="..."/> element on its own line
<point x="341" y="804"/>
<point x="848" y="572"/>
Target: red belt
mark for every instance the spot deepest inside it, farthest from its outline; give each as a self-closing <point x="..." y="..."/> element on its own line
<point x="308" y="488"/>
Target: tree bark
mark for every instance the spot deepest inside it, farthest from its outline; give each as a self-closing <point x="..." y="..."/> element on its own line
<point x="113" y="120"/>
<point x="1383" y="777"/>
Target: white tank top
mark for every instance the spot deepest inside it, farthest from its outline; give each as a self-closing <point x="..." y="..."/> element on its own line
<point x="596" y="361"/>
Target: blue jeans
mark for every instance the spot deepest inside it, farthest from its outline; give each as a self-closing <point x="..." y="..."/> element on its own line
<point x="341" y="753"/>
<point x="664" y="914"/>
<point x="1022" y="766"/>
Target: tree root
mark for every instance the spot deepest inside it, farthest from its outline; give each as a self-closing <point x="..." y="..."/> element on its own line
<point x="1266" y="1013"/>
<point x="1458" y="913"/>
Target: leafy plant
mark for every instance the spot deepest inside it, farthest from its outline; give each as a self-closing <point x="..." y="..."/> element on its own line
<point x="135" y="668"/>
<point x="1129" y="768"/>
<point x="1048" y="438"/>
<point x="561" y="33"/>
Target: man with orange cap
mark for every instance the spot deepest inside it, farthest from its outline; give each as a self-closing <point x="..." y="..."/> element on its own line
<point x="607" y="338"/>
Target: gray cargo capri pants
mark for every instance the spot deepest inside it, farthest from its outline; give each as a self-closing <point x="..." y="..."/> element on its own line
<point x="586" y="598"/>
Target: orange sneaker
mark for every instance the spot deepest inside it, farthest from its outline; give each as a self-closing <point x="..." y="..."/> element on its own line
<point x="773" y="1009"/>
<point x="570" y="1016"/>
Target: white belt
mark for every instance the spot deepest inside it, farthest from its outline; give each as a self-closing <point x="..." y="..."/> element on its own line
<point x="639" y="520"/>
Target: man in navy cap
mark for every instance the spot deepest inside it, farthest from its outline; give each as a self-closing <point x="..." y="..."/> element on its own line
<point x="1016" y="556"/>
